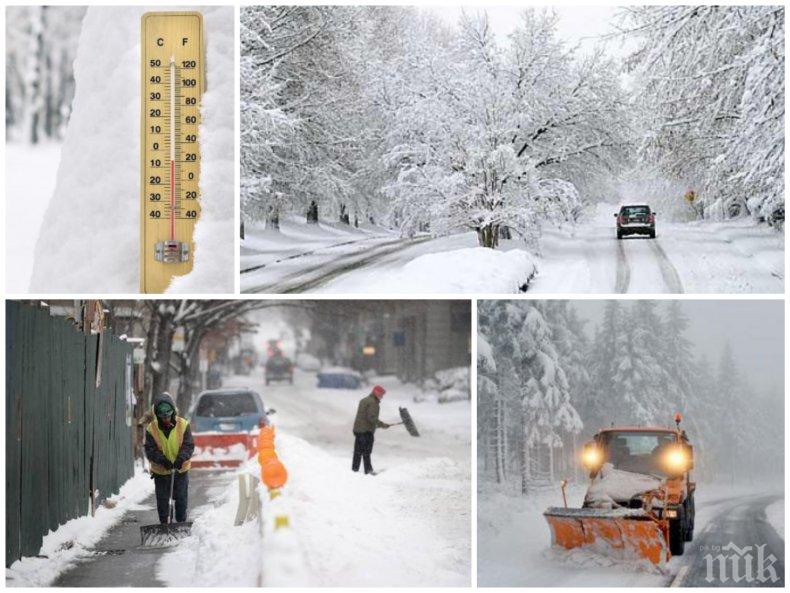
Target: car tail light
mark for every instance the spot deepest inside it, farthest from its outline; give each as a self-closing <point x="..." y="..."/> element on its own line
<point x="621" y="220"/>
<point x="652" y="219"/>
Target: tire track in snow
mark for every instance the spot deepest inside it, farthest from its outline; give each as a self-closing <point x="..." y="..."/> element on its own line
<point x="315" y="276"/>
<point x="623" y="272"/>
<point x="668" y="271"/>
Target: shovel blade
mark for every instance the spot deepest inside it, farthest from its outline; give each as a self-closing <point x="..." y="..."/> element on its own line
<point x="408" y="422"/>
<point x="625" y="535"/>
<point x="164" y="535"/>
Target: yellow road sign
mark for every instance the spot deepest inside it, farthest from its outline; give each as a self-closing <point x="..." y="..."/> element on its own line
<point x="173" y="81"/>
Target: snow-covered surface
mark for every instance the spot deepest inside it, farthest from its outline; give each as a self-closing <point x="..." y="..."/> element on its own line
<point x="72" y="541"/>
<point x="216" y="553"/>
<point x="447" y="386"/>
<point x="237" y="451"/>
<point x="698" y="257"/>
<point x="775" y="513"/>
<point x="30" y="180"/>
<point x="407" y="526"/>
<point x="514" y="540"/>
<point x="693" y="257"/>
<point x="469" y="270"/>
<point x="89" y="240"/>
<point x="616" y="485"/>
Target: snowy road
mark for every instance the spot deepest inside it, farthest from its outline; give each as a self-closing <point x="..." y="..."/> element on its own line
<point x="304" y="272"/>
<point x="695" y="257"/>
<point x="742" y="523"/>
<point x="686" y="257"/>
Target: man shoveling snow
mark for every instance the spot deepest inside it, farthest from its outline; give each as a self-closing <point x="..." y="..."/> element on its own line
<point x="365" y="425"/>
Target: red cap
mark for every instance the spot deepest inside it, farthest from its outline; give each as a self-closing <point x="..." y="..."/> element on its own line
<point x="378" y="390"/>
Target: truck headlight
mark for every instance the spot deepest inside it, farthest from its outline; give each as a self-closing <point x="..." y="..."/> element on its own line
<point x="592" y="457"/>
<point x="676" y="459"/>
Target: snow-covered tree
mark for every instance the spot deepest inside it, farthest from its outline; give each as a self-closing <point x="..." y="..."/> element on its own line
<point x="710" y="85"/>
<point x="41" y="43"/>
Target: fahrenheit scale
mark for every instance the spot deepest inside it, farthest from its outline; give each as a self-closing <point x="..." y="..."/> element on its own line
<point x="173" y="80"/>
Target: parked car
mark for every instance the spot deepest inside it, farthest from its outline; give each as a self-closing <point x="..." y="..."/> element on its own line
<point x="224" y="426"/>
<point x="636" y="220"/>
<point x="279" y="368"/>
<point x="228" y="410"/>
<point x="339" y="378"/>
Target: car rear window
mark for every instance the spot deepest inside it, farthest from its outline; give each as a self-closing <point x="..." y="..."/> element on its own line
<point x="635" y="210"/>
<point x="222" y="405"/>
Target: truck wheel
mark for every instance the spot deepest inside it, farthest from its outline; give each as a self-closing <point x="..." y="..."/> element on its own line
<point x="653" y="234"/>
<point x="619" y="235"/>
<point x="677" y="533"/>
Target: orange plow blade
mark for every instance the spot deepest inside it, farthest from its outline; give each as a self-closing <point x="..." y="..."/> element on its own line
<point x="621" y="533"/>
<point x="223" y="450"/>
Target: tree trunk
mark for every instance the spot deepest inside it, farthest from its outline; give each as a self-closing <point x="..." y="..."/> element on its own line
<point x="488" y="236"/>
<point x="344" y="216"/>
<point x="241" y="229"/>
<point x="273" y="220"/>
<point x="164" y="349"/>
<point x="312" y="213"/>
<point x="499" y="435"/>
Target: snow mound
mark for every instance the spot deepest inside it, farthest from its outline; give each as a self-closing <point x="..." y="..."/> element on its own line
<point x="617" y="486"/>
<point x="72" y="541"/>
<point x="449" y="385"/>
<point x="473" y="269"/>
<point x="585" y="559"/>
<point x="90" y="235"/>
<point x="775" y="513"/>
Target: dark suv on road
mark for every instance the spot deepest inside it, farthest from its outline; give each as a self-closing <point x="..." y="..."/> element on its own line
<point x="279" y="368"/>
<point x="636" y="220"/>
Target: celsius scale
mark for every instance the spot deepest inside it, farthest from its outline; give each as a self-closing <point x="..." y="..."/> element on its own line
<point x="173" y="81"/>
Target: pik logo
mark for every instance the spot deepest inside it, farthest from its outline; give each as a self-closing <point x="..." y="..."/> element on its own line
<point x="747" y="564"/>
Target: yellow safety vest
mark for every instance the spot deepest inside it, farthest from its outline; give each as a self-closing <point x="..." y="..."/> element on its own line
<point x="169" y="445"/>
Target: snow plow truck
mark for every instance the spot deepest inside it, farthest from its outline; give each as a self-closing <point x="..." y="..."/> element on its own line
<point x="640" y="501"/>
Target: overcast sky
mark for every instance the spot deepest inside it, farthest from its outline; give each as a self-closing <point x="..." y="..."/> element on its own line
<point x="754" y="329"/>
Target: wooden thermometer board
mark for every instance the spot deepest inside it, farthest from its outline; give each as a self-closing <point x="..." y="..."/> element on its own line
<point x="173" y="80"/>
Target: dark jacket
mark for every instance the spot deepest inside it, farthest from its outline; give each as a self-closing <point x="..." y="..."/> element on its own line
<point x="367" y="419"/>
<point x="152" y="451"/>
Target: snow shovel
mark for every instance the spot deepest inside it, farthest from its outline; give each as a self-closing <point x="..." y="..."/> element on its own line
<point x="407" y="422"/>
<point x="163" y="535"/>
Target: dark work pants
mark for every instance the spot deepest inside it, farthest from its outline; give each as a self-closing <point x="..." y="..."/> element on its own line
<point x="180" y="490"/>
<point x="363" y="447"/>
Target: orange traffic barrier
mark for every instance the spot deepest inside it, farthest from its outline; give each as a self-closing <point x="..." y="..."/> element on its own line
<point x="273" y="472"/>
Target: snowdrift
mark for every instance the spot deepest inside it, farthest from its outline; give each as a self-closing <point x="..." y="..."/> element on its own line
<point x="617" y="486"/>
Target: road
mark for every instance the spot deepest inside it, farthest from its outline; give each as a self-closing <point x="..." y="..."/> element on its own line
<point x="309" y="270"/>
<point x="119" y="560"/>
<point x="733" y="257"/>
<point x="740" y="522"/>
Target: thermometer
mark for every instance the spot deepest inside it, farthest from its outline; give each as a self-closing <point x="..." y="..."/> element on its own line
<point x="173" y="80"/>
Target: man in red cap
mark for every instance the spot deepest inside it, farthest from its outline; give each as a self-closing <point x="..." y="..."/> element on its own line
<point x="365" y="424"/>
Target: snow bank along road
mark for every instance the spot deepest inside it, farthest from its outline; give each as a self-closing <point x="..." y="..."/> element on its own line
<point x="408" y="526"/>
